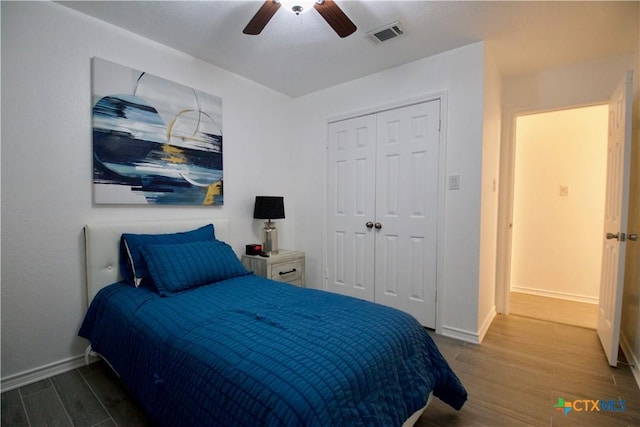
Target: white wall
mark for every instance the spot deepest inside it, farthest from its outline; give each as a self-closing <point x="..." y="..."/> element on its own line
<point x="489" y="190"/>
<point x="459" y="74"/>
<point x="47" y="173"/>
<point x="557" y="240"/>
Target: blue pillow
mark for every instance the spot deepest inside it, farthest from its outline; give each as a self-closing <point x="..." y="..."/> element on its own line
<point x="178" y="267"/>
<point x="132" y="265"/>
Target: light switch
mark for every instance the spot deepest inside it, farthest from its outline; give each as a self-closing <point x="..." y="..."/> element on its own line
<point x="564" y="191"/>
<point x="454" y="182"/>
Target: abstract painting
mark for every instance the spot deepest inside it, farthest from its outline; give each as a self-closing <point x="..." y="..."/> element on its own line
<point x="155" y="142"/>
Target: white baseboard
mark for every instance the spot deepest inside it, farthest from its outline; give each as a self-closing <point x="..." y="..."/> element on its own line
<point x="33" y="375"/>
<point x="554" y="294"/>
<point x="486" y="323"/>
<point x="632" y="358"/>
<point x="460" y="334"/>
<point x="468" y="336"/>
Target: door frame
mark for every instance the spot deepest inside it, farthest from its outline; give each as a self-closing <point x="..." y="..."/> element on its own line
<point x="442" y="96"/>
<point x="506" y="193"/>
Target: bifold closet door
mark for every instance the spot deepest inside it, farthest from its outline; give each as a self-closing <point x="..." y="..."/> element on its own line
<point x="382" y="206"/>
<point x="350" y="206"/>
<point x="408" y="141"/>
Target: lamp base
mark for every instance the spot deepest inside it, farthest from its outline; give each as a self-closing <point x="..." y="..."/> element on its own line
<point x="269" y="238"/>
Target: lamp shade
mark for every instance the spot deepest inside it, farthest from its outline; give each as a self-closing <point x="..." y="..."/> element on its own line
<point x="269" y="207"/>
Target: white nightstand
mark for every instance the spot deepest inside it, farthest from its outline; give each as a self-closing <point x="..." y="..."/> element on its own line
<point x="285" y="266"/>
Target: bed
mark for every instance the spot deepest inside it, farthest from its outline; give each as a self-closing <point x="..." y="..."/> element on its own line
<point x="242" y="350"/>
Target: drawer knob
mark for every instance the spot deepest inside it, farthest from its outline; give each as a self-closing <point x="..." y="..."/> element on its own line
<point x="282" y="273"/>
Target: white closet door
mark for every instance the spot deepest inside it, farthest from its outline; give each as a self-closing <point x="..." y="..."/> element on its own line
<point x="350" y="205"/>
<point x="408" y="141"/>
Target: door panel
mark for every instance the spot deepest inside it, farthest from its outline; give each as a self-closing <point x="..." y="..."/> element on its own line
<point x="407" y="209"/>
<point x="350" y="205"/>
<point x="615" y="221"/>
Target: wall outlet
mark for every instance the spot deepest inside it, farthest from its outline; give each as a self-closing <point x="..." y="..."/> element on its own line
<point x="564" y="191"/>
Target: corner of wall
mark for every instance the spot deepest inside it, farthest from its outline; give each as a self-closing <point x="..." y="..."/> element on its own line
<point x="486" y="323"/>
<point x="632" y="357"/>
<point x="470" y="336"/>
<point x="491" y="131"/>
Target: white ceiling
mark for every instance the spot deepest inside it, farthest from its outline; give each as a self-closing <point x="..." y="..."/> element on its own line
<point x="297" y="55"/>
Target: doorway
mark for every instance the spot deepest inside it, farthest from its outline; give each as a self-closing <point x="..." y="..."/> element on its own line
<point x="558" y="214"/>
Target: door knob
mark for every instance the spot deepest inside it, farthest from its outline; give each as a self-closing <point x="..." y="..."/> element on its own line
<point x="618" y="236"/>
<point x="378" y="226"/>
<point x="633" y="237"/>
<point x="369" y="224"/>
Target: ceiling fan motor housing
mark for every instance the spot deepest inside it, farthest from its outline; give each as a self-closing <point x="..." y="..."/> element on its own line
<point x="328" y="9"/>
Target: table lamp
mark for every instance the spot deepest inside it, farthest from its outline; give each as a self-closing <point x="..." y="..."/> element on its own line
<point x="269" y="207"/>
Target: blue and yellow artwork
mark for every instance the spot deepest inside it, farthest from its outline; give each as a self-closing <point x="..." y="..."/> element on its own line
<point x="154" y="141"/>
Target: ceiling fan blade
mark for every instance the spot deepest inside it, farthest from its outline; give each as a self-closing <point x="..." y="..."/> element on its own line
<point x="335" y="17"/>
<point x="262" y="17"/>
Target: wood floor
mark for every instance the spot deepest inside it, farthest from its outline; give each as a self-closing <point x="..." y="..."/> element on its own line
<point x="88" y="396"/>
<point x="555" y="310"/>
<point x="514" y="378"/>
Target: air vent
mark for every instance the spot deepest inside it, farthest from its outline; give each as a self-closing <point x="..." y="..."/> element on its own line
<point x="385" y="33"/>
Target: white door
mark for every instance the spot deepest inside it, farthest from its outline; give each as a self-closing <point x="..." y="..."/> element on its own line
<point x="615" y="221"/>
<point x="382" y="208"/>
<point x="350" y="206"/>
<point x="407" y="209"/>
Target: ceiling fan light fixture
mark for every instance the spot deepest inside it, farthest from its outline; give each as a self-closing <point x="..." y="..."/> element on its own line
<point x="298" y="6"/>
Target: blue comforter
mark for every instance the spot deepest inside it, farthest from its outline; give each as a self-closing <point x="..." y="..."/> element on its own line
<point x="253" y="352"/>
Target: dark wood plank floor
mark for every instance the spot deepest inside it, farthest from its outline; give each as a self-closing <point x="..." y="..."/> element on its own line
<point x="523" y="367"/>
<point x="514" y="379"/>
<point x="88" y="396"/>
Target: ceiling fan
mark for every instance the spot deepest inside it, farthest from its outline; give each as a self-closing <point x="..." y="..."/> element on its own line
<point x="328" y="9"/>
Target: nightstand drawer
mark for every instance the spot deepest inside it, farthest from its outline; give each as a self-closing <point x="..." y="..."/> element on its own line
<point x="287" y="271"/>
<point x="285" y="266"/>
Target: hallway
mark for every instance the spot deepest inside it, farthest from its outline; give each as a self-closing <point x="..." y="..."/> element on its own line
<point x="554" y="310"/>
